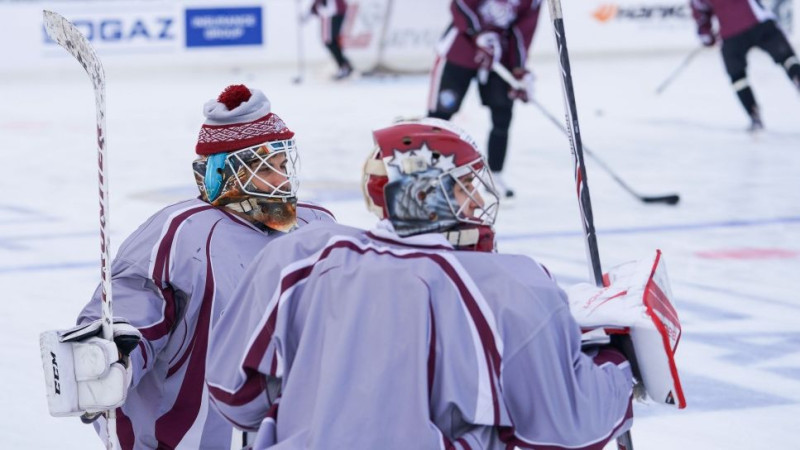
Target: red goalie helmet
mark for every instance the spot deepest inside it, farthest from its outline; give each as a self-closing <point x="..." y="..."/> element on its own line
<point x="427" y="176"/>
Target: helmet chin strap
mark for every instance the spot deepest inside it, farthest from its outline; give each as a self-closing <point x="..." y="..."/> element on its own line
<point x="478" y="238"/>
<point x="265" y="213"/>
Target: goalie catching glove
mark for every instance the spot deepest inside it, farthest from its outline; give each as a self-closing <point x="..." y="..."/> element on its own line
<point x="85" y="373"/>
<point x="633" y="312"/>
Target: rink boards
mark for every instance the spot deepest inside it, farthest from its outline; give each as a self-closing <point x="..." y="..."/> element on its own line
<point x="397" y="34"/>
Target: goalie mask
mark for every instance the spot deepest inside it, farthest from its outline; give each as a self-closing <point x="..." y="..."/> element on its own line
<point x="248" y="160"/>
<point x="427" y="176"/>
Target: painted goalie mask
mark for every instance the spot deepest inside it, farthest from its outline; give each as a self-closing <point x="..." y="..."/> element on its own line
<point x="427" y="176"/>
<point x="247" y="159"/>
<point x="260" y="182"/>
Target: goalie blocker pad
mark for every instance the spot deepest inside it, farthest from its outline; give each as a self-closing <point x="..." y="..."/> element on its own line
<point x="663" y="330"/>
<point x="82" y="376"/>
<point x="636" y="300"/>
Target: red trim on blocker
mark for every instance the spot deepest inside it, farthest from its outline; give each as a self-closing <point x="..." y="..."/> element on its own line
<point x="659" y="302"/>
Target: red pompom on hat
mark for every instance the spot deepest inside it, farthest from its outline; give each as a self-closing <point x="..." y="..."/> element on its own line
<point x="239" y="118"/>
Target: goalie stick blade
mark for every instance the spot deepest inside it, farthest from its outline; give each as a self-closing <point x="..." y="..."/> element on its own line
<point x="72" y="40"/>
<point x="671" y="199"/>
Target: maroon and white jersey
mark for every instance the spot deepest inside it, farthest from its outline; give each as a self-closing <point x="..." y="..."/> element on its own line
<point x="342" y="338"/>
<point x="328" y="8"/>
<point x="514" y="20"/>
<point x="172" y="278"/>
<point x="734" y="16"/>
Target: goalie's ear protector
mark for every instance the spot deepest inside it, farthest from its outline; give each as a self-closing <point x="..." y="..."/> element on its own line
<point x="215" y="164"/>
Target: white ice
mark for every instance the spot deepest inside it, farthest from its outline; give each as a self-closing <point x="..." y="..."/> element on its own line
<point x="732" y="245"/>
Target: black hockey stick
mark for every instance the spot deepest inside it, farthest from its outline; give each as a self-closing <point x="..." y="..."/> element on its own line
<point x="670" y="199"/>
<point x="624" y="441"/>
<point x="661" y="87"/>
<point x="70" y="38"/>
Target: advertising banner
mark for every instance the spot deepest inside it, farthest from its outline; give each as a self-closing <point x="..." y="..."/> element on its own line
<point x="398" y="35"/>
<point x="208" y="27"/>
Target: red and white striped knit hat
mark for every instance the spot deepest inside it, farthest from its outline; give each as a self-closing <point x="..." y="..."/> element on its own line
<point x="239" y="118"/>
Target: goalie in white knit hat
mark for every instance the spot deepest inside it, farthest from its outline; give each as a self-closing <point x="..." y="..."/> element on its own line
<point x="248" y="159"/>
<point x="173" y="278"/>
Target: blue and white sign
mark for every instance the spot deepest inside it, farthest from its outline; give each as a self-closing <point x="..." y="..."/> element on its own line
<point x="211" y="27"/>
<point x="124" y="29"/>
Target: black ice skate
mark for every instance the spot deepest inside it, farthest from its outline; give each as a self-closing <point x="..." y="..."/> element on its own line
<point x="343" y="72"/>
<point x="756" y="124"/>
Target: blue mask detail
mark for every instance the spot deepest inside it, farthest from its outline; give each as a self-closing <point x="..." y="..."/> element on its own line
<point x="215" y="164"/>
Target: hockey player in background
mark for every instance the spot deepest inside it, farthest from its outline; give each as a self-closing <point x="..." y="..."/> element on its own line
<point x="483" y="32"/>
<point x="745" y="24"/>
<point x="331" y="15"/>
<point x="416" y="335"/>
<point x="172" y="278"/>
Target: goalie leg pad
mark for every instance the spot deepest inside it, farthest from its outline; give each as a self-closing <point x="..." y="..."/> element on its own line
<point x="82" y="376"/>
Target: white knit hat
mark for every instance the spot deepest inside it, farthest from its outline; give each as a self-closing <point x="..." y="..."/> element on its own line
<point x="239" y="118"/>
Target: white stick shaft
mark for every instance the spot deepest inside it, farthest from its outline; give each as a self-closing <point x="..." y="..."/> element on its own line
<point x="70" y="38"/>
<point x="507" y="76"/>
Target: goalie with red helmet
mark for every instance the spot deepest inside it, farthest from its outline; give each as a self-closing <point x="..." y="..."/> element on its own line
<point x="396" y="338"/>
<point x="428" y="176"/>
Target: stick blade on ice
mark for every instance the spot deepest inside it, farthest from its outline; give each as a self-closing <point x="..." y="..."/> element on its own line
<point x="671" y="199"/>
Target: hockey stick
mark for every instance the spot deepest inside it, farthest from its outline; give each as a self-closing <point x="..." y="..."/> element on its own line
<point x="661" y="87"/>
<point x="301" y="56"/>
<point x="670" y="199"/>
<point x="624" y="441"/>
<point x="67" y="36"/>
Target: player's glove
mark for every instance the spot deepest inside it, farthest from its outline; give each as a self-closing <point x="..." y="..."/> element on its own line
<point x="85" y="373"/>
<point x="524" y="90"/>
<point x="707" y="39"/>
<point x="489" y="51"/>
<point x="636" y="316"/>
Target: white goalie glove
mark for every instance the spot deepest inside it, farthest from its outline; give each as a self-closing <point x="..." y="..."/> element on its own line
<point x="85" y="373"/>
<point x="634" y="313"/>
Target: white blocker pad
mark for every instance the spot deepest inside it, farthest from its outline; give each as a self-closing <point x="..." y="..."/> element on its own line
<point x="82" y="376"/>
<point x="637" y="299"/>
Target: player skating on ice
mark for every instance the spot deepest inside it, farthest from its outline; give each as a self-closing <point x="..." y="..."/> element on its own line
<point x="331" y="14"/>
<point x="745" y="24"/>
<point x="416" y="334"/>
<point x="483" y="32"/>
<point x="173" y="278"/>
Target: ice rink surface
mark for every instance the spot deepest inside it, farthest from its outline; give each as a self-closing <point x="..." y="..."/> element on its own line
<point x="732" y="245"/>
